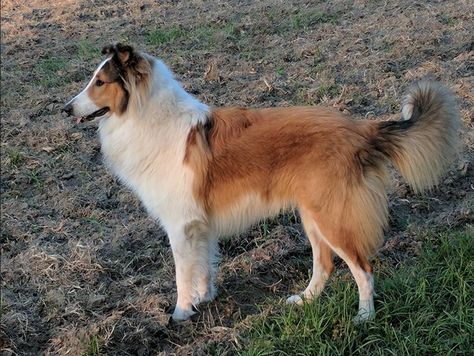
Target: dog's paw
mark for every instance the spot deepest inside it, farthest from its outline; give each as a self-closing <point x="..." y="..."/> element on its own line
<point x="180" y="314"/>
<point x="363" y="316"/>
<point x="366" y="312"/>
<point x="295" y="299"/>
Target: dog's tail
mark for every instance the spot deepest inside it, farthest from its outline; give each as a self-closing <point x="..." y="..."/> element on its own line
<point x="421" y="146"/>
<point x="426" y="140"/>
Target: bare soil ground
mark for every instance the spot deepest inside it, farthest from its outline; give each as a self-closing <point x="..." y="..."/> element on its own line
<point x="84" y="270"/>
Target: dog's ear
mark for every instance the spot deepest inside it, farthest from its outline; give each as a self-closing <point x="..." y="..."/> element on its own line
<point x="124" y="55"/>
<point x="130" y="63"/>
<point x="108" y="50"/>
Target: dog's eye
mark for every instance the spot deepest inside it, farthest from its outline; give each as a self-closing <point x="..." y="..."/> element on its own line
<point x="99" y="83"/>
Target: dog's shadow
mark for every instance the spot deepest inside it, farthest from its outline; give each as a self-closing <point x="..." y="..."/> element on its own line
<point x="243" y="289"/>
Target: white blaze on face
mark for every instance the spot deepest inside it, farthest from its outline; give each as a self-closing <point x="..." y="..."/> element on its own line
<point x="82" y="103"/>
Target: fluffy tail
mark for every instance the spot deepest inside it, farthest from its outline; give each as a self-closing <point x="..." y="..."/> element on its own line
<point x="426" y="141"/>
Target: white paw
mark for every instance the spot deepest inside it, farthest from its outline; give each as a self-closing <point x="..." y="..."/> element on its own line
<point x="180" y="314"/>
<point x="295" y="299"/>
<point x="363" y="316"/>
<point x="366" y="311"/>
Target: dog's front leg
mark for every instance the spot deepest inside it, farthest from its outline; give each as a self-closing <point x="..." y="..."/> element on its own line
<point x="204" y="247"/>
<point x="205" y="273"/>
<point x="182" y="248"/>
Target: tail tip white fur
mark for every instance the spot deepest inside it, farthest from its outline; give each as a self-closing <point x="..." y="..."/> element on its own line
<point x="407" y="109"/>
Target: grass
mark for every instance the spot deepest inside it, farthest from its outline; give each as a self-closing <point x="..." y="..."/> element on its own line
<point x="287" y="22"/>
<point x="212" y="36"/>
<point x="96" y="224"/>
<point x="86" y="50"/>
<point x="305" y="20"/>
<point x="318" y="61"/>
<point x="94" y="349"/>
<point x="327" y="89"/>
<point x="450" y="21"/>
<point x="36" y="179"/>
<point x="49" y="71"/>
<point x="424" y="308"/>
<point x="16" y="158"/>
<point x="165" y="35"/>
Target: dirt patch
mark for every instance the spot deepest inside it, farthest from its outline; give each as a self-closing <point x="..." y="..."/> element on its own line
<point x="84" y="268"/>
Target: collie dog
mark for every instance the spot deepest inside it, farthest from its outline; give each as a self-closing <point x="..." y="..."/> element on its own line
<point x="204" y="172"/>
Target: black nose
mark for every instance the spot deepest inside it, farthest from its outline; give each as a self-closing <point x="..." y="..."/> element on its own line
<point x="68" y="109"/>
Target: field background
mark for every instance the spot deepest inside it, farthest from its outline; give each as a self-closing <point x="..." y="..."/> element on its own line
<point x="84" y="270"/>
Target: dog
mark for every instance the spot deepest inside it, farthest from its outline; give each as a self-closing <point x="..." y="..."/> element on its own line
<point x="204" y="172"/>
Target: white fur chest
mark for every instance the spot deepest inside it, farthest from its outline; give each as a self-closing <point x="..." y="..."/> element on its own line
<point x="150" y="162"/>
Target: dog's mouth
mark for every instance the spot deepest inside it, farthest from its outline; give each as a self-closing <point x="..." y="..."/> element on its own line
<point x="95" y="114"/>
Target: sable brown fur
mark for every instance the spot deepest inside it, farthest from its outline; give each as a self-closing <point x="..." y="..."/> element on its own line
<point x="302" y="157"/>
<point x="316" y="159"/>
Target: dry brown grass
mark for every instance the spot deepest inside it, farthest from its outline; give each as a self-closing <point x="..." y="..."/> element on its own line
<point x="82" y="264"/>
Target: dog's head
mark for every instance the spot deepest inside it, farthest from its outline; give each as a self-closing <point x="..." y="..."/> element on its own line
<point x="122" y="74"/>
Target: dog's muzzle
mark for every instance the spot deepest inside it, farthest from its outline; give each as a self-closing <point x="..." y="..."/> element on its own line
<point x="68" y="109"/>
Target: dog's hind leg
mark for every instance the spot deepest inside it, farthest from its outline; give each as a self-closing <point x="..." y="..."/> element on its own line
<point x="343" y="243"/>
<point x="322" y="260"/>
<point x="326" y="236"/>
<point x="362" y="272"/>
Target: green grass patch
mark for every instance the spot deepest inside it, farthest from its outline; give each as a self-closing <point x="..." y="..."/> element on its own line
<point x="206" y="35"/>
<point x="212" y="36"/>
<point x="50" y="71"/>
<point x="16" y="158"/>
<point x="308" y="19"/>
<point x="318" y="61"/>
<point x="448" y="20"/>
<point x="425" y="307"/>
<point x="280" y="71"/>
<point x="96" y="224"/>
<point x="283" y="21"/>
<point x="165" y="35"/>
<point x="328" y="89"/>
<point x="93" y="347"/>
<point x="87" y="50"/>
<point x="36" y="179"/>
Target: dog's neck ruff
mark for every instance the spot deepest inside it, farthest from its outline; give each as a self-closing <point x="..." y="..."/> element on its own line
<point x="138" y="143"/>
<point x="169" y="99"/>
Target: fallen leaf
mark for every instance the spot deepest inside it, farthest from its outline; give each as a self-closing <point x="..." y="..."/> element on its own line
<point x="76" y="136"/>
<point x="211" y="73"/>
